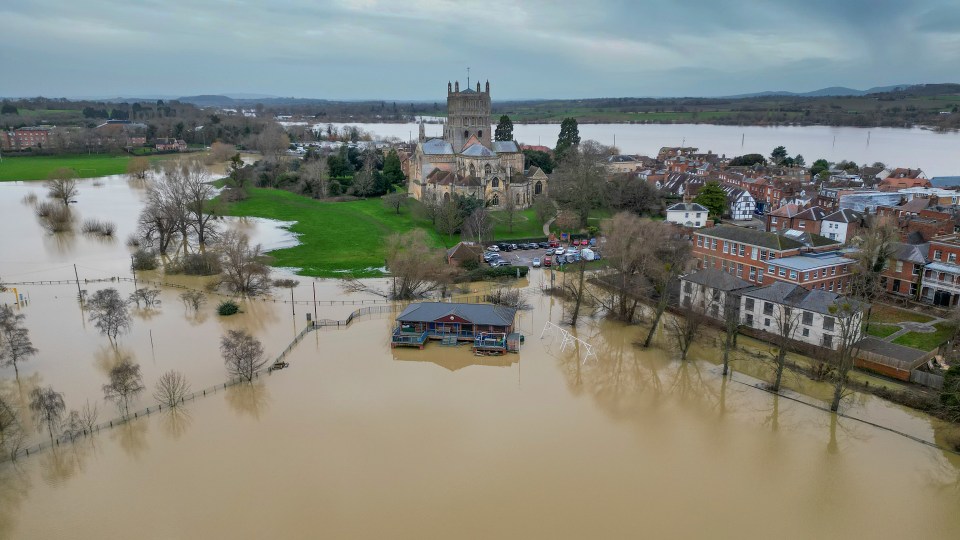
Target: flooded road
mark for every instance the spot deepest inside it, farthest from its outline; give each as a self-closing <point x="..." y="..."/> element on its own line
<point x="358" y="440"/>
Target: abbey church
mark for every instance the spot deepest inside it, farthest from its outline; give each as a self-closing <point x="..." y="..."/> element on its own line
<point x="468" y="162"/>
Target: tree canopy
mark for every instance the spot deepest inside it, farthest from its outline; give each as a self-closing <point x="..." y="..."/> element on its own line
<point x="748" y="160"/>
<point x="569" y="136"/>
<point x="713" y="197"/>
<point x="504" y="130"/>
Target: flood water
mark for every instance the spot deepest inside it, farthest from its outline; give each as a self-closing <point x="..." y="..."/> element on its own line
<point x="356" y="439"/>
<point x="935" y="153"/>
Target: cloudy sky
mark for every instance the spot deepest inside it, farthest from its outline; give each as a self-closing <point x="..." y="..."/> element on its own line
<point x="355" y="49"/>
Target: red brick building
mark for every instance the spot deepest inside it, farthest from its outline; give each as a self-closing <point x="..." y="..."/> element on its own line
<point x="27" y="137"/>
<point x="809" y="220"/>
<point x="904" y="270"/>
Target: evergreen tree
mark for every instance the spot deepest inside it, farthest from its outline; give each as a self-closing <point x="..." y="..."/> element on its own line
<point x="569" y="136"/>
<point x="392" y="170"/>
<point x="778" y="155"/>
<point x="713" y="198"/>
<point x="819" y="166"/>
<point x="504" y="129"/>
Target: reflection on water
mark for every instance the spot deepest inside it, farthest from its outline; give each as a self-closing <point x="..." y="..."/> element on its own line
<point x="14" y="488"/>
<point x="176" y="421"/>
<point x="248" y="399"/>
<point x="131" y="437"/>
<point x="64" y="461"/>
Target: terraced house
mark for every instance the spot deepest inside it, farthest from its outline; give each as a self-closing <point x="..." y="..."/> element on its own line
<point x="759" y="257"/>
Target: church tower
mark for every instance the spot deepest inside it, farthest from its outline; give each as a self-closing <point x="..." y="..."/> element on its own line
<point x="468" y="115"/>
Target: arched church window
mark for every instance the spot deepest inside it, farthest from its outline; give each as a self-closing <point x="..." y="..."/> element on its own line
<point x="518" y="198"/>
<point x="446" y="197"/>
<point x="495" y="182"/>
<point x="480" y="134"/>
<point x="495" y="201"/>
<point x="473" y="170"/>
<point x="466" y="134"/>
<point x="487" y="169"/>
<point x="538" y="188"/>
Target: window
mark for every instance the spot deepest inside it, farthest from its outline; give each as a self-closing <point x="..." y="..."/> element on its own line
<point x="828" y="341"/>
<point x="726" y="247"/>
<point x="831" y="287"/>
<point x="767" y="308"/>
<point x="807" y="318"/>
<point x="763" y="255"/>
<point x="936" y="255"/>
<point x="750" y="319"/>
<point x="952" y="257"/>
<point x="759" y="276"/>
<point x="699" y="241"/>
<point x="687" y="287"/>
<point x="899" y="266"/>
<point x="816" y="274"/>
<point x="828" y="323"/>
<point x="739" y="270"/>
<point x="766" y="322"/>
<point x="495" y="201"/>
<point x="773" y="220"/>
<point x="713" y="243"/>
<point x="466" y="134"/>
<point x="771" y="269"/>
<point x="698" y="215"/>
<point x="480" y="134"/>
<point x="686" y="214"/>
<point x="495" y="183"/>
<point x="748" y="304"/>
<point x="916" y="270"/>
<point x="742" y="250"/>
<point x="753" y="273"/>
<point x="803" y="224"/>
<point x="806" y="276"/>
<point x="806" y="332"/>
<point x="833" y="271"/>
<point x="538" y="188"/>
<point x="487" y="169"/>
<point x="754" y="253"/>
<point x="782" y="272"/>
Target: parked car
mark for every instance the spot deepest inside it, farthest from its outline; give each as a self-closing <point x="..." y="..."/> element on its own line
<point x="544" y="245"/>
<point x="547" y="261"/>
<point x="500" y="262"/>
<point x="514" y="246"/>
<point x="488" y="256"/>
<point x="554" y="243"/>
<point x="559" y="251"/>
<point x="536" y="262"/>
<point x="493" y="248"/>
<point x="504" y="247"/>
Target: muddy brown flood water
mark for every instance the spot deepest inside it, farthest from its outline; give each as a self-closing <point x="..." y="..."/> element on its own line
<point x="358" y="440"/>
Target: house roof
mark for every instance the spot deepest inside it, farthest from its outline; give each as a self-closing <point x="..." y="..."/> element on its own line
<point x="796" y="296"/>
<point x="803" y="263"/>
<point x="787" y="210"/>
<point x="465" y="250"/>
<point x="478" y="150"/>
<point x="752" y="237"/>
<point x="716" y="279"/>
<point x="844" y="215"/>
<point x="476" y="313"/>
<point x="687" y="207"/>
<point x="814" y="213"/>
<point x="915" y="253"/>
<point x="807" y="238"/>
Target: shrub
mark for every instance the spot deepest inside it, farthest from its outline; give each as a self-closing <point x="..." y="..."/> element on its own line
<point x="497" y="272"/>
<point x="470" y="264"/>
<point x="144" y="259"/>
<point x="196" y="264"/>
<point x="45" y="208"/>
<point x="95" y="226"/>
<point x="55" y="218"/>
<point x="228" y="307"/>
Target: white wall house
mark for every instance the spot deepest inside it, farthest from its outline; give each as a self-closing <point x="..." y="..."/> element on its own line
<point x="742" y="204"/>
<point x="805" y="314"/>
<point x="688" y="214"/>
<point x="712" y="291"/>
<point x="840" y="225"/>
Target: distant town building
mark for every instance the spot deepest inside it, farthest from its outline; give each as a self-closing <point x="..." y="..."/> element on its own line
<point x="691" y="215"/>
<point x="27" y="137"/>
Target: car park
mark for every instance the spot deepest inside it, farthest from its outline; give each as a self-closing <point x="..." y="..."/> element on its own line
<point x="500" y="262"/>
<point x="494" y="248"/>
<point x="536" y="262"/>
<point x="559" y="251"/>
<point x="488" y="256"/>
<point x="514" y="246"/>
<point x="547" y="261"/>
<point x="544" y="245"/>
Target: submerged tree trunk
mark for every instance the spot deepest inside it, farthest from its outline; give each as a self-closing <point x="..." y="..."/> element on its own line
<point x="660" y="308"/>
<point x="781" y="362"/>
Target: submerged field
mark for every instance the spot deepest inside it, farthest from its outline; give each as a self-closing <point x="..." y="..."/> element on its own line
<point x="40" y="167"/>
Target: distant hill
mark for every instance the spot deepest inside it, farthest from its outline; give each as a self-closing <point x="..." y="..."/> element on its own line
<point x="833" y="91"/>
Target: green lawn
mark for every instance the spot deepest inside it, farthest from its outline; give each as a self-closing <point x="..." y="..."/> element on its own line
<point x="40" y="167"/>
<point x="926" y="342"/>
<point x="335" y="237"/>
<point x="525" y="225"/>
<point x="883" y="313"/>
<point x="881" y="330"/>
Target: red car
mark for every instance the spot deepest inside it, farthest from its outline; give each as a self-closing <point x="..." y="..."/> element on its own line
<point x="554" y="244"/>
<point x="548" y="261"/>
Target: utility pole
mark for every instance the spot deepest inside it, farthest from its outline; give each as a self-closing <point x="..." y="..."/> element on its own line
<point x="314" y="302"/>
<point x="133" y="270"/>
<point x="293" y="306"/>
<point x="79" y="293"/>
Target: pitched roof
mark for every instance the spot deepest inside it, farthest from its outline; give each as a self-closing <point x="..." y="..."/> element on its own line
<point x="465" y="250"/>
<point x="915" y="253"/>
<point x="687" y="207"/>
<point x="478" y="150"/>
<point x="814" y="213"/>
<point x="716" y="279"/>
<point x="436" y="146"/>
<point x="844" y="215"/>
<point x="502" y="147"/>
<point x="476" y="313"/>
<point x="807" y="238"/>
<point x="751" y="236"/>
<point x="796" y="296"/>
<point x="787" y="210"/>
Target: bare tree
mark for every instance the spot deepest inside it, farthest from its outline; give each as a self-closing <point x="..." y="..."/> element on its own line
<point x="149" y="297"/>
<point x="627" y="253"/>
<point x="124" y="386"/>
<point x="166" y="215"/>
<point x="15" y="343"/>
<point x="510" y="210"/>
<point x="89" y="415"/>
<point x="848" y="315"/>
<point x="364" y="181"/>
<point x="48" y="408"/>
<point x="62" y="185"/>
<point x="415" y="266"/>
<point x="272" y="142"/>
<point x="731" y="327"/>
<point x="315" y="174"/>
<point x="577" y="184"/>
<point x="199" y="194"/>
<point x="478" y="226"/>
<point x="11" y="429"/>
<point x="395" y="201"/>
<point x="109" y="313"/>
<point x="242" y="353"/>
<point x="544" y="209"/>
<point x="171" y="389"/>
<point x="671" y="256"/>
<point x="875" y="246"/>
<point x="787" y="322"/>
<point x="245" y="269"/>
<point x="221" y="152"/>
<point x="448" y="219"/>
<point x="685" y="328"/>
<point x="429" y="207"/>
<point x="193" y="300"/>
<point x="137" y="168"/>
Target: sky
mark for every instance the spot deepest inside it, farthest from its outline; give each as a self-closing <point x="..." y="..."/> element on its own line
<point x="408" y="50"/>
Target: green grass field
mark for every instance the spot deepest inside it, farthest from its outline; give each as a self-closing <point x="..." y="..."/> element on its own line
<point x="926" y="342"/>
<point x="40" y="167"/>
<point x="882" y="313"/>
<point x="882" y="330"/>
<point x="339" y="238"/>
